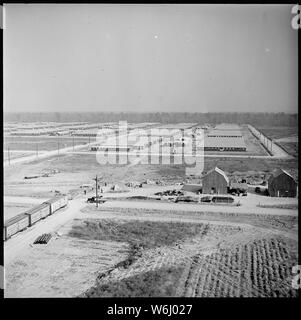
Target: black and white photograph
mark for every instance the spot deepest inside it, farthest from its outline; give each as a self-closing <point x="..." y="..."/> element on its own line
<point x="150" y="151"/>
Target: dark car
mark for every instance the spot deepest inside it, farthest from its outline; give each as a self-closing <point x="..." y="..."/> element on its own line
<point x="222" y="199"/>
<point x="185" y="199"/>
<point x="257" y="190"/>
<point x="206" y="199"/>
<point x="96" y="200"/>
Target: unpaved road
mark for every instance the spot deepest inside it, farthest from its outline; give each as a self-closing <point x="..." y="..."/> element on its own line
<point x="197" y="207"/>
<point x="141" y="156"/>
<point x="23" y="239"/>
<point x="46" y="154"/>
<point x="170" y="217"/>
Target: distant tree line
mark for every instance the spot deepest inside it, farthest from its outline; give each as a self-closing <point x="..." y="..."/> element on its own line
<point x="258" y="119"/>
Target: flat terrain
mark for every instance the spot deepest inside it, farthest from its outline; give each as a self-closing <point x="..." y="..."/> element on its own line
<point x="66" y="267"/>
<point x="44" y="143"/>
<point x="129" y="247"/>
<point x="136" y="251"/>
<point x="75" y="170"/>
<point x="254" y="147"/>
<point x="285" y="137"/>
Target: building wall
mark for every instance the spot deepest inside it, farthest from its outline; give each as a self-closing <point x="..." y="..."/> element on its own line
<point x="282" y="186"/>
<point x="214" y="180"/>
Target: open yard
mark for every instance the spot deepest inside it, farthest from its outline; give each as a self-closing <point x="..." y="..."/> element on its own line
<point x="203" y="260"/>
<point x="45" y="143"/>
<point x="78" y="169"/>
<point x="285" y="137"/>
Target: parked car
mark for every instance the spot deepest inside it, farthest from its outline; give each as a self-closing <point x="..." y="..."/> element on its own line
<point x="257" y="190"/>
<point x="98" y="199"/>
<point x="222" y="199"/>
<point x="206" y="199"/>
<point x="186" y="199"/>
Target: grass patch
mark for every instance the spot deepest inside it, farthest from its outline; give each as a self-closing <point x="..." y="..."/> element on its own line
<point x="140" y="235"/>
<point x="280" y="206"/>
<point x="159" y="283"/>
<point x="146" y="234"/>
<point x="278" y="132"/>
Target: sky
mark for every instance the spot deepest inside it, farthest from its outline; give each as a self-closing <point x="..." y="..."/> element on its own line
<point x="150" y="58"/>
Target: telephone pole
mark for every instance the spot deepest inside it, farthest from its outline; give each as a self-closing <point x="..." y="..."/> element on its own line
<point x="58" y="145"/>
<point x="8" y="156"/>
<point x="96" y="191"/>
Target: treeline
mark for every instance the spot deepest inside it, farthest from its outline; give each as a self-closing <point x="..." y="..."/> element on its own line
<point x="258" y="119"/>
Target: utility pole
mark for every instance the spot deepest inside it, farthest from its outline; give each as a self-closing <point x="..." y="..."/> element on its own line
<point x="96" y="191"/>
<point x="58" y="145"/>
<point x="8" y="156"/>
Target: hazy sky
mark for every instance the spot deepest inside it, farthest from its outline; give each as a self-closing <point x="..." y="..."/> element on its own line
<point x="204" y="58"/>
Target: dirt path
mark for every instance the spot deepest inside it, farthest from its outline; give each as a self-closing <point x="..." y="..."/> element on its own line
<point x="185" y="218"/>
<point x="197" y="207"/>
<point x="22" y="240"/>
<point x="48" y="154"/>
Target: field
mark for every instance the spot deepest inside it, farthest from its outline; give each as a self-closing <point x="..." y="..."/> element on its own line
<point x="65" y="267"/>
<point x="13" y="209"/>
<point x="209" y="261"/>
<point x="129" y="247"/>
<point x="45" y="143"/>
<point x="81" y="169"/>
<point x="285" y="137"/>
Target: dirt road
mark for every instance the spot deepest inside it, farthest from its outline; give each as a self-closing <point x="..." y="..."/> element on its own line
<point x="20" y="241"/>
<point x="48" y="154"/>
<point x="197" y="207"/>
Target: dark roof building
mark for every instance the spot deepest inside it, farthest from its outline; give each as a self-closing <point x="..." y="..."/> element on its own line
<point x="215" y="181"/>
<point x="282" y="184"/>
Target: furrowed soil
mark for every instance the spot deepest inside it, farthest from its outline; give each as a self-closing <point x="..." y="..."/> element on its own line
<point x="192" y="259"/>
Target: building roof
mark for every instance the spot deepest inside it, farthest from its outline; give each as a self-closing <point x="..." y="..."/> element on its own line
<point x="278" y="172"/>
<point x="37" y="208"/>
<point x="224" y="142"/>
<point x="15" y="219"/>
<point x="218" y="170"/>
<point x="55" y="198"/>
